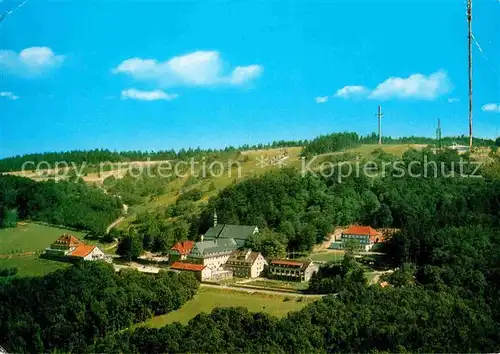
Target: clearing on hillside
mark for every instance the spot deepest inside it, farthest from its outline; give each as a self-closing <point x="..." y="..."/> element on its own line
<point x="207" y="299"/>
<point x="30" y="237"/>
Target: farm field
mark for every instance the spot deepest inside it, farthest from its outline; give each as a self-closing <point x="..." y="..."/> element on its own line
<point x="207" y="299"/>
<point x="30" y="237"/>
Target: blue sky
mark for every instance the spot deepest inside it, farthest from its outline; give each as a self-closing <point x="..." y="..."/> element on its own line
<point x="171" y="74"/>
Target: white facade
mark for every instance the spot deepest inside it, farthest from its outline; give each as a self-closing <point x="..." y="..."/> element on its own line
<point x="215" y="262"/>
<point x="258" y="266"/>
<point x="95" y="255"/>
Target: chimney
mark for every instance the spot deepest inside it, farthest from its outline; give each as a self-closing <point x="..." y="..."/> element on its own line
<point x="215" y="218"/>
<point x="201" y="238"/>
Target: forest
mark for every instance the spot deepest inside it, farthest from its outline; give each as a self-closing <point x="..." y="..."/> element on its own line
<point x="65" y="203"/>
<point x="444" y="295"/>
<point x="303" y="209"/>
<point x="67" y="310"/>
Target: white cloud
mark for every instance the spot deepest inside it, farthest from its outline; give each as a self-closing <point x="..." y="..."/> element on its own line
<point x="453" y="100"/>
<point x="147" y="95"/>
<point x="30" y="61"/>
<point x="491" y="107"/>
<point x="242" y="74"/>
<point x="200" y="68"/>
<point x="416" y="86"/>
<point x="321" y="99"/>
<point x="350" y="91"/>
<point x="9" y="95"/>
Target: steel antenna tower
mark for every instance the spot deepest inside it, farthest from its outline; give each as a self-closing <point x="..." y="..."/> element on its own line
<point x="469" y="21"/>
<point x="379" y="115"/>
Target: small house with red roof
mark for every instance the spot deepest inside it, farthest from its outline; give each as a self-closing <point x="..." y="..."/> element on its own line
<point x="87" y="253"/>
<point x="71" y="247"/>
<point x="180" y="250"/>
<point x="284" y="269"/>
<point x="201" y="272"/>
<point x="365" y="235"/>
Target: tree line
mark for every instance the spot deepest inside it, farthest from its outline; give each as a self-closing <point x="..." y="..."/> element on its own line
<point x="322" y="144"/>
<point x="65" y="311"/>
<point x="98" y="156"/>
<point x="65" y="203"/>
<point x="336" y="142"/>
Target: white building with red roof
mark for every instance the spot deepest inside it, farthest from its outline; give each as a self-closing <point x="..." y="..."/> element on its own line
<point x="180" y="250"/>
<point x="201" y="272"/>
<point x="71" y="247"/>
<point x="87" y="253"/>
<point x="366" y="236"/>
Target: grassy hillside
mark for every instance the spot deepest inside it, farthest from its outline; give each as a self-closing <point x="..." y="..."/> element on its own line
<point x="206" y="299"/>
<point x="31" y="265"/>
<point x="30" y="237"/>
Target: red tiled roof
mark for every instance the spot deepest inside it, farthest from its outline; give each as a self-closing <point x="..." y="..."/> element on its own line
<point x="67" y="240"/>
<point x="290" y="263"/>
<point x="183" y="247"/>
<point x="361" y="230"/>
<point x="82" y="250"/>
<point x="187" y="266"/>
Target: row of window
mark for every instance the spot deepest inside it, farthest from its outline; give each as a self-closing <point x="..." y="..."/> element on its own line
<point x="286" y="272"/>
<point x="355" y="236"/>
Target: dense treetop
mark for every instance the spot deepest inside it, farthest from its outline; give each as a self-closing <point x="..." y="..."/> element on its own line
<point x="304" y="209"/>
<point x="68" y="309"/>
<point x="60" y="203"/>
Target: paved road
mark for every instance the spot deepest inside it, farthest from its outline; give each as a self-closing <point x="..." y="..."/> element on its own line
<point x="269" y="292"/>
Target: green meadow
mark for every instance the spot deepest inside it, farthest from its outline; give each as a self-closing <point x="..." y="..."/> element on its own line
<point x="30" y="237"/>
<point x="206" y="299"/>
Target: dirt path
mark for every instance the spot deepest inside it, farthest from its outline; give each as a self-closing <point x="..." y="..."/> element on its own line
<point x="325" y="244"/>
<point x="114" y="223"/>
<point x="110" y="246"/>
<point x="6" y="256"/>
